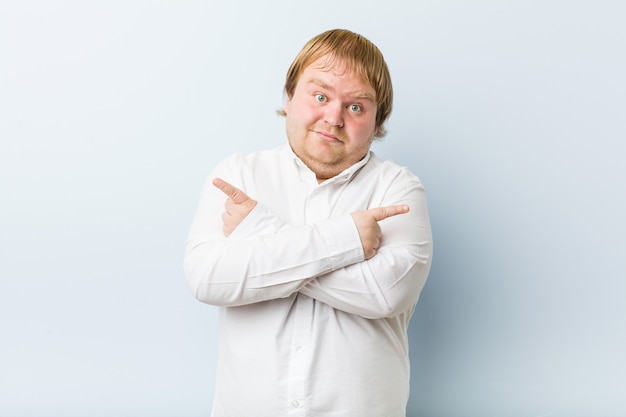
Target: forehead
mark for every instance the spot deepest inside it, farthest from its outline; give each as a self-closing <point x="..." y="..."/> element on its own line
<point x="329" y="70"/>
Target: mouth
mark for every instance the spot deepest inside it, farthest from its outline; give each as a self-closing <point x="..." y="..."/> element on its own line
<point x="327" y="136"/>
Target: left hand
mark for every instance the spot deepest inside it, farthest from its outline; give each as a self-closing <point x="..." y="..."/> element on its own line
<point x="369" y="229"/>
<point x="236" y="208"/>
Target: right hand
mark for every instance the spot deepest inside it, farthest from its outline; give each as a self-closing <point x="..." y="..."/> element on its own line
<point x="369" y="229"/>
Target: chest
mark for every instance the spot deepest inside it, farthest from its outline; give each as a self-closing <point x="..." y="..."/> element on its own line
<point x="300" y="203"/>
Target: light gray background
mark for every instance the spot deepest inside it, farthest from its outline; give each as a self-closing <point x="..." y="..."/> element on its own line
<point x="112" y="113"/>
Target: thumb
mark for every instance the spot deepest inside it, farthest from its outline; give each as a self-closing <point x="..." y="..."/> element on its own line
<point x="234" y="193"/>
<point x="381" y="213"/>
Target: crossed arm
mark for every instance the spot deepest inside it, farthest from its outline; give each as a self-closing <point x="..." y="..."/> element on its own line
<point x="250" y="254"/>
<point x="264" y="258"/>
<point x="239" y="205"/>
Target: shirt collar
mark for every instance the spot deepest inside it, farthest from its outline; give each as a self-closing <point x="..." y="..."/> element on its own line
<point x="345" y="175"/>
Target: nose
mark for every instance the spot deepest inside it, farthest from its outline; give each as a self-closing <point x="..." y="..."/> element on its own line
<point x="334" y="115"/>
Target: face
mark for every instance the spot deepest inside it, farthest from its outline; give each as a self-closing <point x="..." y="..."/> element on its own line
<point x="331" y="118"/>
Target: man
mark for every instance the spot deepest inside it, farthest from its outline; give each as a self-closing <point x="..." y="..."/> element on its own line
<point x="315" y="252"/>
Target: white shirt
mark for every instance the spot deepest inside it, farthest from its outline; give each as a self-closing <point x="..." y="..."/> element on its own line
<point x="307" y="327"/>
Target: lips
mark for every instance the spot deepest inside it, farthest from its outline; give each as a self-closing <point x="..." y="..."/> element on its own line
<point x="327" y="136"/>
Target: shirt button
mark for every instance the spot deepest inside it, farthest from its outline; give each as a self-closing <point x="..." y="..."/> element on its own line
<point x="299" y="349"/>
<point x="296" y="404"/>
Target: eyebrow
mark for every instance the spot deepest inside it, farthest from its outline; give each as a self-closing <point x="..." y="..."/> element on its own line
<point x="360" y="95"/>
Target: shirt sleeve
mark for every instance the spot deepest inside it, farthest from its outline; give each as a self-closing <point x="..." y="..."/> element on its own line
<point x="390" y="282"/>
<point x="264" y="258"/>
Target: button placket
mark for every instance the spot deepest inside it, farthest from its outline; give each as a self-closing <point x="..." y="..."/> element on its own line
<point x="299" y="360"/>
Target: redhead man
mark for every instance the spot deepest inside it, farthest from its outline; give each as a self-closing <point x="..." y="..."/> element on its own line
<point x="316" y="251"/>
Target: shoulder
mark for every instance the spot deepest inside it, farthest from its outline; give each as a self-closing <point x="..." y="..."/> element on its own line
<point x="249" y="170"/>
<point x="390" y="171"/>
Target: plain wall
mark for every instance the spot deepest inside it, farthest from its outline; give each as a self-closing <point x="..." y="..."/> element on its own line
<point x="112" y="113"/>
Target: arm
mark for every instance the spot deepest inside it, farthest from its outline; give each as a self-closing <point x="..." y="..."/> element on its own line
<point x="262" y="258"/>
<point x="389" y="282"/>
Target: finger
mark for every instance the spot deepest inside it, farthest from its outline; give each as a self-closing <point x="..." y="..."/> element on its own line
<point x="231" y="191"/>
<point x="381" y="213"/>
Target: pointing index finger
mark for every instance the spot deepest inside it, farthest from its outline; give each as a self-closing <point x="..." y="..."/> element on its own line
<point x="231" y="191"/>
<point x="381" y="213"/>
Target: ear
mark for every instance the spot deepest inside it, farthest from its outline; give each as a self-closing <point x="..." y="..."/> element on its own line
<point x="287" y="106"/>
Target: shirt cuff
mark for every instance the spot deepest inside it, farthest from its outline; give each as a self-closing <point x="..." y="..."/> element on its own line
<point x="342" y="240"/>
<point x="260" y="221"/>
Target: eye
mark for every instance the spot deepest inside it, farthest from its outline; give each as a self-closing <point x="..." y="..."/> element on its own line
<point x="355" y="108"/>
<point x="320" y="97"/>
